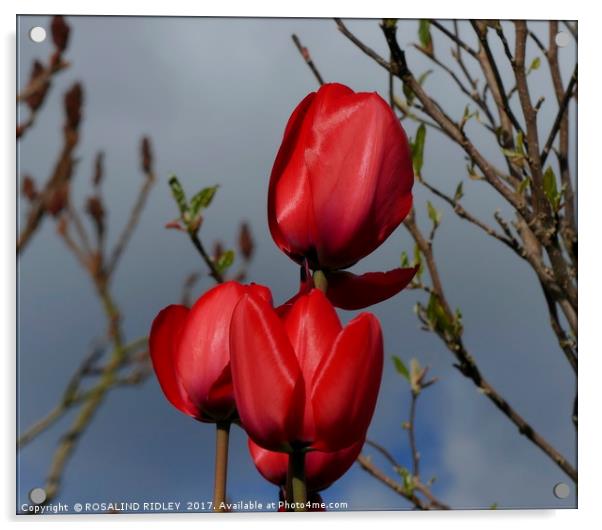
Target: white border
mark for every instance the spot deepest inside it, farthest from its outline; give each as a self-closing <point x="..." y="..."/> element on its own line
<point x="590" y="191"/>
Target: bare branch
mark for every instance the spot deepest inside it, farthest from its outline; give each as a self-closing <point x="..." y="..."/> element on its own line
<point x="307" y="58"/>
<point x="563" y="105"/>
<point x="128" y="230"/>
<point x="468" y="367"/>
<point x="463" y="214"/>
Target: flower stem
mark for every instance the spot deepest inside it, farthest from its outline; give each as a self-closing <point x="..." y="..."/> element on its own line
<point x="320" y="281"/>
<point x="222" y="435"/>
<point x="297" y="470"/>
<point x="288" y="488"/>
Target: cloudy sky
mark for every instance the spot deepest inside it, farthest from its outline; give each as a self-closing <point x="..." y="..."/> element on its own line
<point x="214" y="96"/>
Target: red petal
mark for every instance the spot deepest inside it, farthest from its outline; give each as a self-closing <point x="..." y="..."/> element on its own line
<point x="272" y="465"/>
<point x="321" y="469"/>
<point x="312" y="326"/>
<point x="346" y="384"/>
<point x="290" y="212"/>
<point x="349" y="291"/>
<point x="203" y="355"/>
<point x="268" y="384"/>
<point x="163" y="339"/>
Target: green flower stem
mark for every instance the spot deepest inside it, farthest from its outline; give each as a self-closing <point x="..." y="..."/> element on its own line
<point x="297" y="468"/>
<point x="320" y="281"/>
<point x="222" y="436"/>
<point x="288" y="488"/>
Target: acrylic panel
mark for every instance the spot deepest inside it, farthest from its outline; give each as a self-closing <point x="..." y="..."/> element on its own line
<point x="383" y="290"/>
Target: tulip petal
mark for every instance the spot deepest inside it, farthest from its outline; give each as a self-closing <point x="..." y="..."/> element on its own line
<point x="350" y="291"/>
<point x="272" y="465"/>
<point x="321" y="469"/>
<point x="203" y="354"/>
<point x="345" y="386"/>
<point x="163" y="339"/>
<point x="290" y="211"/>
<point x="268" y="383"/>
<point x="312" y="326"/>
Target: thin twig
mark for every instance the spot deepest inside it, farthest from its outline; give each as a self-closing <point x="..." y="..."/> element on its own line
<point x="217" y="275"/>
<point x="307" y="58"/>
<point x="564" y="103"/>
<point x="367" y="465"/>
<point x="454" y="38"/>
<point x="136" y="212"/>
<point x="464" y="214"/>
<point x="412" y="436"/>
<point x="383" y="451"/>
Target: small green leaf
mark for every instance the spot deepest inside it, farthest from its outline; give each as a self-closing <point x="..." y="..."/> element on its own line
<point x="535" y="64"/>
<point x="408" y="93"/>
<point x="405" y="261"/>
<point x="520" y="143"/>
<point x="225" y="260"/>
<point x="417" y="148"/>
<point x="433" y="213"/>
<point x="467" y="116"/>
<point x="178" y="194"/>
<point x="437" y="317"/>
<point x="550" y="189"/>
<point x="423" y="77"/>
<point x="415" y="374"/>
<point x="515" y="156"/>
<point x="424" y="35"/>
<point x="408" y="479"/>
<point x="202" y="200"/>
<point x="401" y="367"/>
<point x="459" y="192"/>
<point x="418" y="262"/>
<point x="458" y="326"/>
<point x="472" y="172"/>
<point x="525" y="183"/>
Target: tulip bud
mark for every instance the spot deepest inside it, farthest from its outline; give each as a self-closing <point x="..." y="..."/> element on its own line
<point x="341" y="183"/>
<point x="190" y="351"/>
<point x="245" y="241"/>
<point x="73" y="106"/>
<point x="29" y="188"/>
<point x="57" y="199"/>
<point x="146" y="156"/>
<point x="342" y="179"/>
<point x="35" y="98"/>
<point x="98" y="169"/>
<point x="96" y="211"/>
<point x="60" y="32"/>
<point x="300" y="379"/>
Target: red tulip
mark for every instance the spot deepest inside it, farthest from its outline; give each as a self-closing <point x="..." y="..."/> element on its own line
<point x="341" y="183"/>
<point x="321" y="469"/>
<point x="300" y="379"/>
<point x="190" y="351"/>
